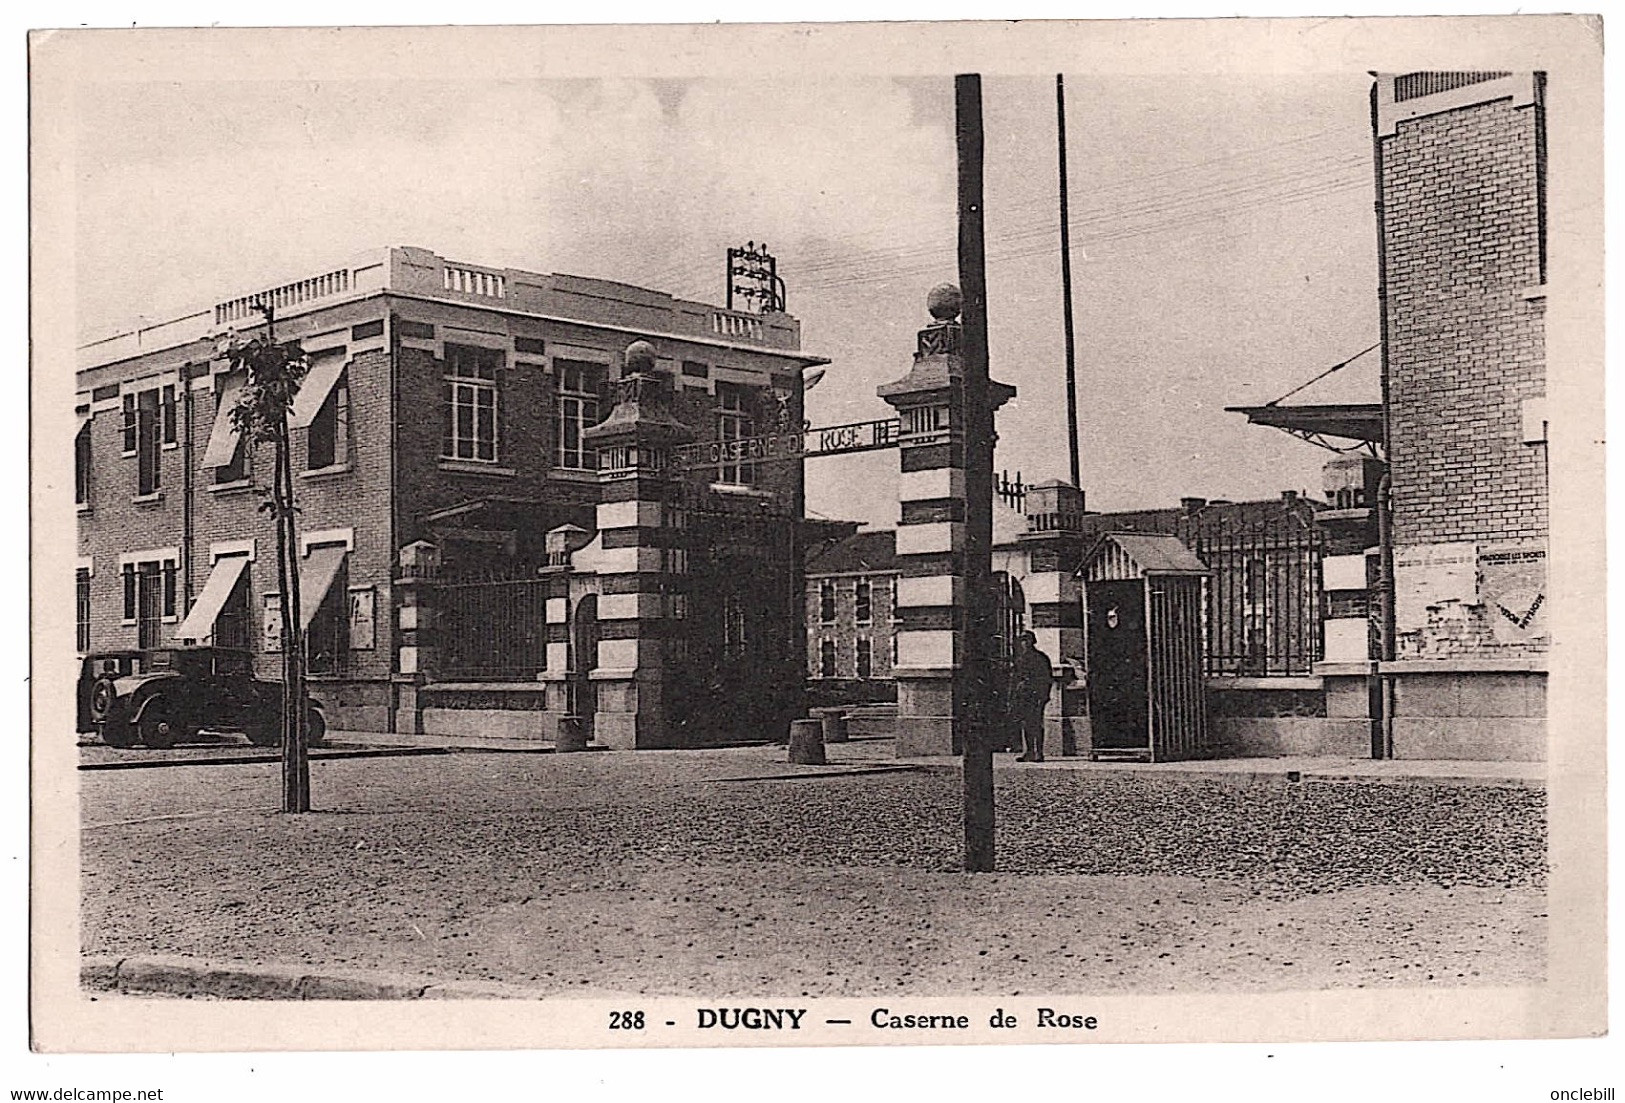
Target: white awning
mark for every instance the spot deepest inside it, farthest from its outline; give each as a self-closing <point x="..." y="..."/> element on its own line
<point x="317" y="570"/>
<point x="223" y="440"/>
<point x="313" y="392"/>
<point x="199" y="624"/>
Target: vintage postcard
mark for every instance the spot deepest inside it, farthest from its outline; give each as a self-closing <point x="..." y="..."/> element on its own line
<point x="817" y="535"/>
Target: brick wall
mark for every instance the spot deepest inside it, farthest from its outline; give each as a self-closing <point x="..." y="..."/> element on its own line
<point x="1466" y="348"/>
<point x="1466" y="351"/>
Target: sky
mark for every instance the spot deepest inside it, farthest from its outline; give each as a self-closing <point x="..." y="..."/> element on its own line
<point x="1223" y="239"/>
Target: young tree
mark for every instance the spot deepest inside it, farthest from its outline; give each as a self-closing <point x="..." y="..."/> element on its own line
<point x="275" y="372"/>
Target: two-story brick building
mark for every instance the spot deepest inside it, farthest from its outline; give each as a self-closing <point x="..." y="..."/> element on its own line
<point x="447" y="484"/>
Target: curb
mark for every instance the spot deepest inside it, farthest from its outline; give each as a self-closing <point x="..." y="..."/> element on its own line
<point x="191" y="978"/>
<point x="1173" y="771"/>
<point x="833" y="770"/>
<point x="315" y="755"/>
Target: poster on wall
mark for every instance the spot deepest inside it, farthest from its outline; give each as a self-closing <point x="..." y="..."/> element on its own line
<point x="272" y="622"/>
<point x="1430" y="575"/>
<point x="361" y="618"/>
<point x="1512" y="585"/>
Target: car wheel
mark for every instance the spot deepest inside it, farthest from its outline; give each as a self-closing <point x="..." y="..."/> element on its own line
<point x="316" y="725"/>
<point x="103" y="696"/>
<point x="158" y="728"/>
<point x="117" y="732"/>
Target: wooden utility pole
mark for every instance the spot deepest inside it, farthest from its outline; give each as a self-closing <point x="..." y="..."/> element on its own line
<point x="1066" y="288"/>
<point x="977" y="666"/>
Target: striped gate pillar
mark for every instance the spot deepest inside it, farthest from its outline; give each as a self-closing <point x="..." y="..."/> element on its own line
<point x="419" y="563"/>
<point x="1053" y="543"/>
<point x="639" y="557"/>
<point x="931" y="597"/>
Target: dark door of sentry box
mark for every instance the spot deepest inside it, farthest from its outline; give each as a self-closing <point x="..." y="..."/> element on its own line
<point x="1119" y="686"/>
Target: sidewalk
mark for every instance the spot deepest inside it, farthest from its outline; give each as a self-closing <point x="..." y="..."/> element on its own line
<point x="881" y="752"/>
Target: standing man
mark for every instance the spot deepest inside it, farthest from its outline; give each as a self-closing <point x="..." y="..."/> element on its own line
<point x="1031" y="675"/>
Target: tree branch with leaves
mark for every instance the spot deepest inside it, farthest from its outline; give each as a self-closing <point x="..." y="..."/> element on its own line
<point x="275" y="372"/>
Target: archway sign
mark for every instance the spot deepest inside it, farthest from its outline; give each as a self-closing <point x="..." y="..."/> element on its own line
<point x="835" y="440"/>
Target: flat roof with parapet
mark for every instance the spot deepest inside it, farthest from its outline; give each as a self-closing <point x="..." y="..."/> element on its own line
<point x="407" y="271"/>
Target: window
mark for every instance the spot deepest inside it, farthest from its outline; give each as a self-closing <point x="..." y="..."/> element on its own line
<point x="231" y="624"/>
<point x="327" y="640"/>
<point x="864" y="602"/>
<point x="237" y="470"/>
<point x="734" y="423"/>
<point x="168" y="405"/>
<point x="578" y="411"/>
<point x="81" y="465"/>
<point x="826" y="658"/>
<point x="128" y="448"/>
<point x="327" y="441"/>
<point x="149" y="597"/>
<point x="471" y="402"/>
<point x="147" y="441"/>
<point x="866" y="657"/>
<point x="734" y="634"/>
<point x="826" y="601"/>
<point x="81" y="609"/>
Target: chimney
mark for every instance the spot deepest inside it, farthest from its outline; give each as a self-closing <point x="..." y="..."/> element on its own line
<point x="1190" y="505"/>
<point x="1289" y="496"/>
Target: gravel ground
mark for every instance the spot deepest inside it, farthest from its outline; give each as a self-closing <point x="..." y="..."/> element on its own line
<point x="647" y="872"/>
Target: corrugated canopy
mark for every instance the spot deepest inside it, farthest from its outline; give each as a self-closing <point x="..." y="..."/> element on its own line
<point x="199" y="623"/>
<point x="1350" y="420"/>
<point x="317" y="570"/>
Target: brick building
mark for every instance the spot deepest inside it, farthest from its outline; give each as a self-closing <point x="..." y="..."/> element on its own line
<point x="851" y="639"/>
<point x="457" y="570"/>
<point x="1454" y="666"/>
<point x="1462" y="194"/>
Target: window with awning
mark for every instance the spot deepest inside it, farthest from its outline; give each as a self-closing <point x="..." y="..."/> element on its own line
<point x="223" y="439"/>
<point x="323" y="608"/>
<point x="217" y="591"/>
<point x="318" y="384"/>
<point x="317" y="571"/>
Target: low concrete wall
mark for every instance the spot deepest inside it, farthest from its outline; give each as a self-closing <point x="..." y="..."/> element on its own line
<point x="491" y="723"/>
<point x="1471" y="715"/>
<point x="353" y="706"/>
<point x="1279" y="736"/>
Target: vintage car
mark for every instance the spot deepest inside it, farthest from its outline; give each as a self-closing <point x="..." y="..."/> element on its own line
<point x="164" y="696"/>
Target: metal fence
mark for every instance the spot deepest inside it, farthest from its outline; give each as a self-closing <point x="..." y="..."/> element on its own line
<point x="490" y="626"/>
<point x="1263" y="611"/>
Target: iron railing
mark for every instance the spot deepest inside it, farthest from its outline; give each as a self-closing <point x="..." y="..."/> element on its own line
<point x="490" y="626"/>
<point x="1263" y="612"/>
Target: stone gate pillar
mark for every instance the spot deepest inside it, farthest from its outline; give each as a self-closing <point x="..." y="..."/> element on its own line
<point x="930" y="598"/>
<point x="637" y="557"/>
<point x="1054" y="546"/>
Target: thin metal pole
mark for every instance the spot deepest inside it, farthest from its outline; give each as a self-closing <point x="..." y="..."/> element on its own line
<point x="1066" y="288"/>
<point x="977" y="667"/>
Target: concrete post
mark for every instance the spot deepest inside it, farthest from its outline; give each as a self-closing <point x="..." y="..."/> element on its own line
<point x="639" y="554"/>
<point x="930" y="595"/>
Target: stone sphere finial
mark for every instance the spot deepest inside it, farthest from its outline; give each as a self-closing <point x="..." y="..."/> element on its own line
<point x="945" y="301"/>
<point x="640" y="357"/>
